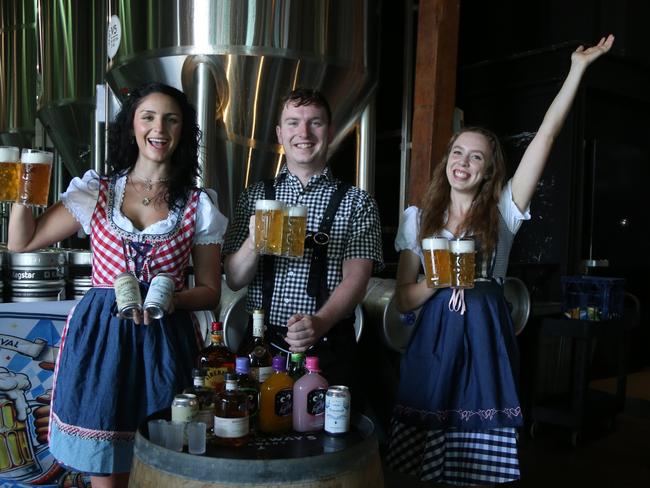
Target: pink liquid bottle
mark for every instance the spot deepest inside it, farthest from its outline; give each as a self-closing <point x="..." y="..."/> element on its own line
<point x="309" y="399"/>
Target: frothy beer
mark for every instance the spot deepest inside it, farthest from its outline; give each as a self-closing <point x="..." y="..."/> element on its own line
<point x="34" y="182"/>
<point x="269" y="222"/>
<point x="9" y="173"/>
<point x="436" y="262"/>
<point x="294" y="230"/>
<point x="462" y="262"/>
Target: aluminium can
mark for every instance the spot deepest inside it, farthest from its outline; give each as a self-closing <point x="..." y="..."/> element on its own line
<point x="337" y="410"/>
<point x="127" y="295"/>
<point x="185" y="407"/>
<point x="159" y="296"/>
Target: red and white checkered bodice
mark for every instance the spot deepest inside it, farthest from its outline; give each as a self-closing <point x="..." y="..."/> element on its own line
<point x="113" y="248"/>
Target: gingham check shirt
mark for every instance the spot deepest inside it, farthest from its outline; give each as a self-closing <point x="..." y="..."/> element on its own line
<point x="355" y="234"/>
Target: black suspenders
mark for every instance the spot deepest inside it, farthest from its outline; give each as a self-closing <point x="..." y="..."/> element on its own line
<point x="317" y="280"/>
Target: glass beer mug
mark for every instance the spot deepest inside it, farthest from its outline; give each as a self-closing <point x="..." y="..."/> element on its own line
<point x="9" y="173"/>
<point x="462" y="262"/>
<point x="294" y="230"/>
<point x="437" y="262"/>
<point x="269" y="222"/>
<point x="34" y="181"/>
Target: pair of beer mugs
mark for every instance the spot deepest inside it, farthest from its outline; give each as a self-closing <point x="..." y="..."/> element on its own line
<point x="25" y="177"/>
<point x="449" y="262"/>
<point x="280" y="229"/>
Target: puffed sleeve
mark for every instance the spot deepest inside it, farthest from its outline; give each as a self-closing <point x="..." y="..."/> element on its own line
<point x="210" y="222"/>
<point x="512" y="216"/>
<point x="81" y="197"/>
<point x="408" y="231"/>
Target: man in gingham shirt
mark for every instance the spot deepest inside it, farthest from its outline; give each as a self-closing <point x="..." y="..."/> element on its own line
<point x="353" y="251"/>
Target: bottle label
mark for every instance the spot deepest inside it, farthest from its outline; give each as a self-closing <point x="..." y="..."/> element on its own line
<point x="284" y="403"/>
<point x="263" y="372"/>
<point x="231" y="428"/>
<point x="316" y="402"/>
<point x="214" y="377"/>
<point x="258" y="328"/>
<point x="253" y="402"/>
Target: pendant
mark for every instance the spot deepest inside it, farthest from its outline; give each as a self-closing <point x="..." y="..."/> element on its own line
<point x="146" y="201"/>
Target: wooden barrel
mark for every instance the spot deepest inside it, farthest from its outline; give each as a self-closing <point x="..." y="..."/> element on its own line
<point x="337" y="463"/>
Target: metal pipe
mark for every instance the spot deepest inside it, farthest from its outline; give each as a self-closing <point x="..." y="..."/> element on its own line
<point x="407" y="103"/>
<point x="366" y="147"/>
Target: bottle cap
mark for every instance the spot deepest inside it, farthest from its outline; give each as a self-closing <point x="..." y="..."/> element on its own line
<point x="279" y="363"/>
<point x="312" y="364"/>
<point x="297" y="356"/>
<point x="199" y="372"/>
<point x="216" y="326"/>
<point x="243" y="364"/>
<point x="230" y="377"/>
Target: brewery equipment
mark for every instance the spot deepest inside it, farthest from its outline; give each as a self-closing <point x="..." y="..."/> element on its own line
<point x="236" y="59"/>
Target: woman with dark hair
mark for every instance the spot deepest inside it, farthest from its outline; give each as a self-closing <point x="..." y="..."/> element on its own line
<point x="146" y="218"/>
<point x="457" y="406"/>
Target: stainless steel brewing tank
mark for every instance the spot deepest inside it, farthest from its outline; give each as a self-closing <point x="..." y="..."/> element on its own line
<point x="17" y="72"/>
<point x="71" y="51"/>
<point x="236" y="59"/>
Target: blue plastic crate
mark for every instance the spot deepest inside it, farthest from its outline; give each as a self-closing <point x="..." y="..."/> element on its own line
<point x="593" y="297"/>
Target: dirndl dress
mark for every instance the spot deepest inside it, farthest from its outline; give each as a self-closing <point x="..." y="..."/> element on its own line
<point x="111" y="373"/>
<point x="457" y="404"/>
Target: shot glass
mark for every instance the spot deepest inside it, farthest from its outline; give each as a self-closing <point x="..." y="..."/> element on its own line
<point x="174" y="435"/>
<point x="157" y="431"/>
<point x="196" y="437"/>
<point x="34" y="181"/>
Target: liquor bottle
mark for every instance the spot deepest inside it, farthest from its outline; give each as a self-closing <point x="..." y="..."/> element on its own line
<point x="216" y="359"/>
<point x="297" y="366"/>
<point x="231" y="422"/>
<point x="309" y="399"/>
<point x="204" y="395"/>
<point x="276" y="399"/>
<point x="260" y="352"/>
<point x="250" y="387"/>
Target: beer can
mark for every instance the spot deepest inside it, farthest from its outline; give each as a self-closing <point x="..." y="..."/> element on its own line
<point x="159" y="296"/>
<point x="337" y="410"/>
<point x="185" y="407"/>
<point x="127" y="295"/>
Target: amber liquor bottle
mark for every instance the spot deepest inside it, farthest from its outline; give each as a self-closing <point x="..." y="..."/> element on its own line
<point x="216" y="358"/>
<point x="204" y="395"/>
<point x="231" y="420"/>
<point x="260" y="352"/>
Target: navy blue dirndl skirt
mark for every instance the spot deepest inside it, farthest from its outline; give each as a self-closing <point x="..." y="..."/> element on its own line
<point x="111" y="374"/>
<point x="461" y="371"/>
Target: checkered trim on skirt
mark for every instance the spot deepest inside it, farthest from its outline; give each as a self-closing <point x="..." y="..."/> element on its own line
<point x="454" y="456"/>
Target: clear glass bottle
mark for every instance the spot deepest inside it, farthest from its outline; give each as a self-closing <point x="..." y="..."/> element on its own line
<point x="276" y="400"/>
<point x="260" y="351"/>
<point x="250" y="387"/>
<point x="309" y="399"/>
<point x="216" y="358"/>
<point x="231" y="421"/>
<point x="204" y="395"/>
<point x="297" y="365"/>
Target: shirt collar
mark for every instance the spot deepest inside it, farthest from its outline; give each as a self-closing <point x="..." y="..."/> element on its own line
<point x="325" y="176"/>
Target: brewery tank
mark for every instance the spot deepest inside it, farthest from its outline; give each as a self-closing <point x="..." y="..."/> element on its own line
<point x="17" y="72"/>
<point x="236" y="59"/>
<point x="71" y="53"/>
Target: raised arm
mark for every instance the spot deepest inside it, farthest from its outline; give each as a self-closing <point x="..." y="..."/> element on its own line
<point x="532" y="163"/>
<point x="28" y="234"/>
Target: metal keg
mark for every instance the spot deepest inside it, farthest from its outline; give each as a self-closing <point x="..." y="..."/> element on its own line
<point x="79" y="279"/>
<point x="37" y="276"/>
<point x="3" y="266"/>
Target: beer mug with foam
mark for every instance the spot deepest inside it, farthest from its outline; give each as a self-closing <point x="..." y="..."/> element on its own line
<point x="294" y="230"/>
<point x="462" y="262"/>
<point x="269" y="222"/>
<point x="34" y="182"/>
<point x="9" y="173"/>
<point x="436" y="261"/>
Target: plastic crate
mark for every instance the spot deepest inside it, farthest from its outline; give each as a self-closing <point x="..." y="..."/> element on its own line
<point x="592" y="297"/>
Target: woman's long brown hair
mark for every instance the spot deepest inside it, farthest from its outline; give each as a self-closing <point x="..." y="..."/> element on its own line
<point x="483" y="218"/>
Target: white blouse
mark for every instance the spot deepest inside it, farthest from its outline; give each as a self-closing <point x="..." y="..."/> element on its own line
<point x="409" y="226"/>
<point x="81" y="197"/>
